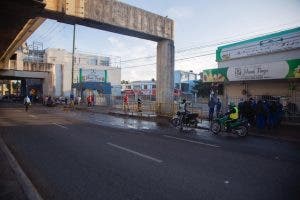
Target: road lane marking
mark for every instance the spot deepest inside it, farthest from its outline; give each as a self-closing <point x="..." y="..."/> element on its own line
<point x="192" y="141"/>
<point x="136" y="153"/>
<point x="60" y="125"/>
<point x="33" y="116"/>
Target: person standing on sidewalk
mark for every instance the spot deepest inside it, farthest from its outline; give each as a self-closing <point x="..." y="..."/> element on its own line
<point x="218" y="107"/>
<point x="211" y="106"/>
<point x="89" y="100"/>
<point x="241" y="107"/>
<point x="125" y="103"/>
<point x="27" y="103"/>
<point x="139" y="104"/>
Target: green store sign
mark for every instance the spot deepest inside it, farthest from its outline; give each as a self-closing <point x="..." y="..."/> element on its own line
<point x="276" y="42"/>
<point x="267" y="71"/>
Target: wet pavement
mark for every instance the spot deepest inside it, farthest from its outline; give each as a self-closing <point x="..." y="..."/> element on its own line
<point x="89" y="155"/>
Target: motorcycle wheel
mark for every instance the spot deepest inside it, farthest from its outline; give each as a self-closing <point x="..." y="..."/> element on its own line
<point x="241" y="131"/>
<point x="175" y="122"/>
<point x="215" y="127"/>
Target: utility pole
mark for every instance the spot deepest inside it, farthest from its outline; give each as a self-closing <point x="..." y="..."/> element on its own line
<point x="73" y="59"/>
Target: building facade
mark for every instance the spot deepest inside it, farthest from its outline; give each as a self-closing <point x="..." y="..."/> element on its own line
<point x="183" y="84"/>
<point x="262" y="67"/>
<point x="140" y="87"/>
<point x="27" y="73"/>
<point x="92" y="75"/>
<point x="184" y="81"/>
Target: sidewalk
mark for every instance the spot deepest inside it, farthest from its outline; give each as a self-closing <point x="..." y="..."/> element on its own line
<point x="10" y="188"/>
<point x="287" y="131"/>
<point x="117" y="111"/>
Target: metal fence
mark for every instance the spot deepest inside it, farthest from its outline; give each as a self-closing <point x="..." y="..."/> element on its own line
<point x="149" y="104"/>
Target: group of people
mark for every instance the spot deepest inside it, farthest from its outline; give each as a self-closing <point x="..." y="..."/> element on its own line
<point x="126" y="103"/>
<point x="262" y="113"/>
<point x="214" y="106"/>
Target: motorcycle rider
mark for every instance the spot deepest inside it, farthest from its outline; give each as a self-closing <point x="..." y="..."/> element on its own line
<point x="183" y="107"/>
<point x="232" y="115"/>
<point x="182" y="111"/>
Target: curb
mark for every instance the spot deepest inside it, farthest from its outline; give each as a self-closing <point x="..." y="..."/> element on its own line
<point x="274" y="137"/>
<point x="27" y="186"/>
<point x="133" y="116"/>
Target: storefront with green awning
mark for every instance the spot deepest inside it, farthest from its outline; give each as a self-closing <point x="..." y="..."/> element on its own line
<point x="274" y="79"/>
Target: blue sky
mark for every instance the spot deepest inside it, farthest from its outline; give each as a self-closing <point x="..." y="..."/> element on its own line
<point x="197" y="23"/>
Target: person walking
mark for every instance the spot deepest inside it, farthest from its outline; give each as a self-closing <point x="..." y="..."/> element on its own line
<point x="27" y="102"/>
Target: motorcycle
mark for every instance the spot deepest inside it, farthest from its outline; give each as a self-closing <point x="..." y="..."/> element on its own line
<point x="186" y="119"/>
<point x="239" y="127"/>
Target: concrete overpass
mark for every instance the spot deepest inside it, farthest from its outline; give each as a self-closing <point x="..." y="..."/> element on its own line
<point x="22" y="17"/>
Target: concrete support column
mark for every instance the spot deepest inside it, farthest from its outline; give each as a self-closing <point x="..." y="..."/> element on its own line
<point x="165" y="77"/>
<point x="24" y="91"/>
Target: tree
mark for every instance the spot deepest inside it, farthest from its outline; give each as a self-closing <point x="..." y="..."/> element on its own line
<point x="203" y="89"/>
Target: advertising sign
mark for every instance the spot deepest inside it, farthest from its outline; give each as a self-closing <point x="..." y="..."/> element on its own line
<point x="282" y="41"/>
<point x="276" y="70"/>
<point x="215" y="75"/>
<point x="93" y="75"/>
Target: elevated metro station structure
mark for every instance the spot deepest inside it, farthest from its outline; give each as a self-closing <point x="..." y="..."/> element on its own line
<point x="20" y="18"/>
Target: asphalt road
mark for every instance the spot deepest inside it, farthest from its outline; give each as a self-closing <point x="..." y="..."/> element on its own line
<point x="75" y="155"/>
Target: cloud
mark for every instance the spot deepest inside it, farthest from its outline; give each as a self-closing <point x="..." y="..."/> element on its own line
<point x="180" y="13"/>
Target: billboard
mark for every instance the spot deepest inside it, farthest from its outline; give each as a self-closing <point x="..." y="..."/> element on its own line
<point x="92" y="75"/>
<point x="266" y="71"/>
<point x="282" y="41"/>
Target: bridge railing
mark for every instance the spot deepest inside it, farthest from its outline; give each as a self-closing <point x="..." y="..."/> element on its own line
<point x="12" y="64"/>
<point x="37" y="67"/>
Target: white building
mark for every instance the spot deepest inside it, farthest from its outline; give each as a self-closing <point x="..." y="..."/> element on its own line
<point x="146" y="87"/>
<point x="82" y="63"/>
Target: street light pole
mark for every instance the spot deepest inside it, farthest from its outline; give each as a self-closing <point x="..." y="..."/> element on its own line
<point x="73" y="59"/>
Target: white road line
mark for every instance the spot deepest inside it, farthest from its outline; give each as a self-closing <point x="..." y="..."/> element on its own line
<point x="60" y="125"/>
<point x="33" y="116"/>
<point x="192" y="141"/>
<point x="136" y="153"/>
<point x="27" y="186"/>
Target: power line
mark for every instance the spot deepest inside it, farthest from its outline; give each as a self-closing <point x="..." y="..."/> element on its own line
<point x="204" y="46"/>
<point x="56" y="35"/>
<point x="255" y="31"/>
<point x="36" y="37"/>
<point x="50" y="34"/>
<point x="181" y="59"/>
<point x="50" y="30"/>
